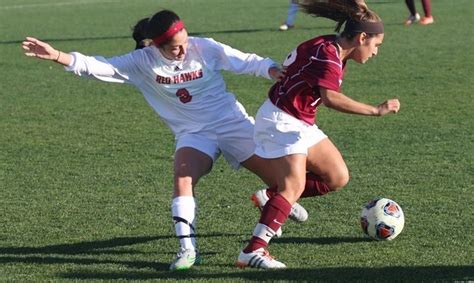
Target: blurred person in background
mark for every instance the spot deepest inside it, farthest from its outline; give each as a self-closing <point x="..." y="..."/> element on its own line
<point x="289" y="23"/>
<point x="415" y="17"/>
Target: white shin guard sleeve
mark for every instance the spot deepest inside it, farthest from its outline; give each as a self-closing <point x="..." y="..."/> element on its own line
<point x="263" y="232"/>
<point x="183" y="211"/>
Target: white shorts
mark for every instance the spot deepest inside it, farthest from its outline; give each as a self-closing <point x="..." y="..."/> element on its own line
<point x="233" y="138"/>
<point x="279" y="134"/>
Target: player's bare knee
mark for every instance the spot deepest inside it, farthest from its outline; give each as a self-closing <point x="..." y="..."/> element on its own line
<point x="339" y="180"/>
<point x="291" y="189"/>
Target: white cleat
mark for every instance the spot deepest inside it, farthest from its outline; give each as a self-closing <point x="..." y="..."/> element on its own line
<point x="412" y="19"/>
<point x="258" y="259"/>
<point x="185" y="259"/>
<point x="285" y="27"/>
<point x="298" y="212"/>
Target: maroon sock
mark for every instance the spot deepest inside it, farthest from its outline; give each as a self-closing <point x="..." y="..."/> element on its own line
<point x="272" y="191"/>
<point x="426" y="7"/>
<point x="314" y="186"/>
<point x="274" y="214"/>
<point x="255" y="244"/>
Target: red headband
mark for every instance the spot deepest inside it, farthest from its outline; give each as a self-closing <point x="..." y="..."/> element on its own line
<point x="174" y="29"/>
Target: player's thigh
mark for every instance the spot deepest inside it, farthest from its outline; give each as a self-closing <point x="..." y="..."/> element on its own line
<point x="191" y="162"/>
<point x="325" y="160"/>
<point x="195" y="153"/>
<point x="290" y="175"/>
<point x="189" y="166"/>
<point x="260" y="167"/>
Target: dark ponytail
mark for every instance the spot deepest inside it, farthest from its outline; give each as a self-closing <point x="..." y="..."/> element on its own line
<point x="343" y="12"/>
<point x="139" y="31"/>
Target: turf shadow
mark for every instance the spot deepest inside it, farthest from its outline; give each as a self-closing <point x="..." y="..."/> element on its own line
<point x="82" y="247"/>
<point x="83" y="253"/>
<point x="320" y="241"/>
<point x="333" y="274"/>
<point x="97" y="247"/>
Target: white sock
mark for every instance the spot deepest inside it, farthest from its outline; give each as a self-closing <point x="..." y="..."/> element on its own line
<point x="263" y="232"/>
<point x="183" y="211"/>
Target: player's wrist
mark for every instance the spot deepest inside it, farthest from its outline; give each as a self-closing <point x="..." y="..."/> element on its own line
<point x="376" y="111"/>
<point x="58" y="56"/>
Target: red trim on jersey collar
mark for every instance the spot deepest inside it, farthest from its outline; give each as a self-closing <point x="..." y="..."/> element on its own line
<point x="174" y="29"/>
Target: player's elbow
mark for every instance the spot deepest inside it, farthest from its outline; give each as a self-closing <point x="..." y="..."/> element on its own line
<point x="329" y="100"/>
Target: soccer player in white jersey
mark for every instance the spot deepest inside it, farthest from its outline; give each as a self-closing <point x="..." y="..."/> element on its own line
<point x="180" y="77"/>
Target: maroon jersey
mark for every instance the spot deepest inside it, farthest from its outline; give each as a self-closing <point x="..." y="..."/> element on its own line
<point x="313" y="64"/>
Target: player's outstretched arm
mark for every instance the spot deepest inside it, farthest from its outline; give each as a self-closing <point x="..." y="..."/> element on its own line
<point x="36" y="48"/>
<point x="343" y="103"/>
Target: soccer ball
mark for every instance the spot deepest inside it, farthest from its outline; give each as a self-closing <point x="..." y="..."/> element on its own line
<point x="382" y="219"/>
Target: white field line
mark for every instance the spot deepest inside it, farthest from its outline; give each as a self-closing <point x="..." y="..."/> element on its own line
<point x="77" y="2"/>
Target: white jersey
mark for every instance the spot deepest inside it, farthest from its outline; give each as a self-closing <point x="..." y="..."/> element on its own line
<point x="190" y="95"/>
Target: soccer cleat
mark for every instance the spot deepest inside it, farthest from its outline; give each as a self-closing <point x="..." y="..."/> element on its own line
<point x="298" y="212"/>
<point x="185" y="258"/>
<point x="427" y="20"/>
<point x="285" y="27"/>
<point x="412" y="19"/>
<point x="259" y="258"/>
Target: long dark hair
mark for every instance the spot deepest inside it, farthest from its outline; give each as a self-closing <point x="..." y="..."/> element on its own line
<point x="341" y="11"/>
<point x="148" y="28"/>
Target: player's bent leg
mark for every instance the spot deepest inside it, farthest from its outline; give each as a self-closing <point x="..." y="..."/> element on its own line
<point x="298" y="212"/>
<point x="190" y="165"/>
<point x="325" y="160"/>
<point x="290" y="172"/>
<point x="259" y="166"/>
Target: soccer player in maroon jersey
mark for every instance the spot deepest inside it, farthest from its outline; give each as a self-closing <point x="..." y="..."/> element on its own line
<point x="415" y="17"/>
<point x="304" y="160"/>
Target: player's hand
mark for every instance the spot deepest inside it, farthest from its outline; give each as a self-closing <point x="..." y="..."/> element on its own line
<point x="389" y="106"/>
<point x="276" y="73"/>
<point x="37" y="48"/>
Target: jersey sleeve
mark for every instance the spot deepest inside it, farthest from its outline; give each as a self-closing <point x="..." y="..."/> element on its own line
<point x="224" y="57"/>
<point x="119" y="69"/>
<point x="325" y="70"/>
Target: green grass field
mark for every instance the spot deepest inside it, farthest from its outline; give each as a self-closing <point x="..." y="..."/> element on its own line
<point x="86" y="167"/>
